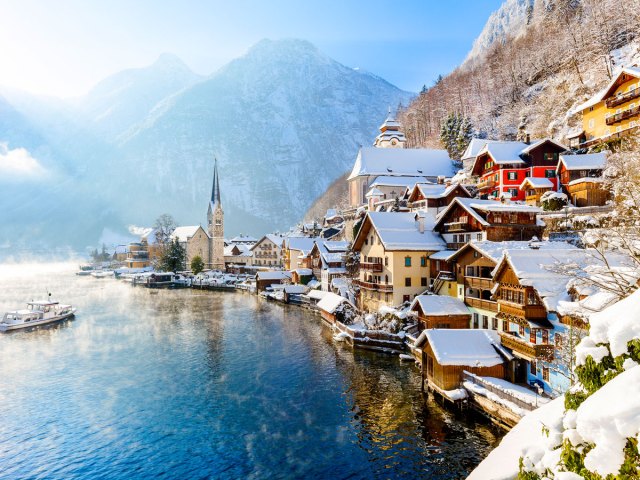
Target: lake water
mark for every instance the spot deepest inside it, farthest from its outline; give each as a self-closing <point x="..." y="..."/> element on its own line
<point x="187" y="384"/>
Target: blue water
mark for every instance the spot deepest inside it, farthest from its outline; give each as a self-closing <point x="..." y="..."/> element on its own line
<point x="186" y="384"/>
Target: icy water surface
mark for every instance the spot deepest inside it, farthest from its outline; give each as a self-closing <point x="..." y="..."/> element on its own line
<point x="187" y="384"/>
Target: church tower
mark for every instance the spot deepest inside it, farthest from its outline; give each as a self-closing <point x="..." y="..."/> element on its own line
<point x="390" y="134"/>
<point x="215" y="219"/>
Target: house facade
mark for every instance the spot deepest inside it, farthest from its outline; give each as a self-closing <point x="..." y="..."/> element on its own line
<point x="267" y="252"/>
<point x="581" y="179"/>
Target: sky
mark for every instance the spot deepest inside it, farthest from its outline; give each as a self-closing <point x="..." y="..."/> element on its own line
<point x="64" y="47"/>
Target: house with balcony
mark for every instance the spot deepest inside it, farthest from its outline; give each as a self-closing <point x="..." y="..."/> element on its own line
<point x="137" y="256"/>
<point x="612" y="112"/>
<point x="295" y="250"/>
<point x="440" y="311"/>
<point x="394" y="249"/>
<point x="267" y="252"/>
<point x="469" y="156"/>
<point x="434" y="197"/>
<point x="503" y="166"/>
<point x="470" y="219"/>
<point x="327" y="261"/>
<point x="581" y="179"/>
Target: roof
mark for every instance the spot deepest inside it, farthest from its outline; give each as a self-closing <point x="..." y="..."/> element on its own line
<point x="474" y="205"/>
<point x="273" y="275"/>
<point x="474" y="147"/>
<point x="243" y="239"/>
<point x="586" y="180"/>
<point x="505" y="152"/>
<point x="399" y="231"/>
<point x="465" y="347"/>
<point x="150" y="236"/>
<point x="442" y="255"/>
<point x="184" y="233"/>
<point x="273" y="238"/>
<point x="317" y="294"/>
<point x="302" y="244"/>
<point x="537" y="143"/>
<point x="494" y="250"/>
<point x="295" y="289"/>
<point x="537" y="182"/>
<point x="303" y="271"/>
<point x="330" y="302"/>
<point x="374" y="192"/>
<point x="435" y="190"/>
<point x="602" y="94"/>
<point x="336" y="245"/>
<point x="587" y="161"/>
<point x="440" y="305"/>
<point x="402" y="162"/>
<point x="335" y="257"/>
<point x="397" y="181"/>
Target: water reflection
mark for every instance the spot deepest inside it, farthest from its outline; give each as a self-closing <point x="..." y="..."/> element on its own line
<point x="190" y="384"/>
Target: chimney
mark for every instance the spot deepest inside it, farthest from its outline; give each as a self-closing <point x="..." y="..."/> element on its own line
<point x="527" y="139"/>
<point x="440" y="180"/>
<point x="420" y="221"/>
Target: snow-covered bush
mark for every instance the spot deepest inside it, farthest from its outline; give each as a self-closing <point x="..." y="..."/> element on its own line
<point x="387" y="319"/>
<point x="553" y="201"/>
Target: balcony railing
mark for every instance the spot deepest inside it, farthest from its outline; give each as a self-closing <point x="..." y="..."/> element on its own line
<point x="481" y="303"/>
<point x="380" y="287"/>
<point x="372" y="266"/>
<point x="622" y="98"/>
<point x="455" y="245"/>
<point x="523" y="311"/>
<point x="618" y="117"/>
<point x="457" y="227"/>
<point x="525" y="348"/>
<point x="470" y="377"/>
<point x="478" y="282"/>
<point x="488" y="183"/>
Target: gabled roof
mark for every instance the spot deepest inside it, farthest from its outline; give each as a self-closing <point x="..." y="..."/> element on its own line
<point x="536" y="182"/>
<point x="435" y="190"/>
<point x="399" y="231"/>
<point x="608" y="90"/>
<point x="440" y="305"/>
<point x="336" y="245"/>
<point x="183" y="234"/>
<point x="495" y="250"/>
<point x="537" y="143"/>
<point x="277" y="239"/>
<point x="504" y="152"/>
<point x="474" y="147"/>
<point x="386" y="181"/>
<point x="465" y="347"/>
<point x="402" y="162"/>
<point x="302" y="244"/>
<point x="273" y="275"/>
<point x="474" y="205"/>
<point x="330" y="302"/>
<point x="587" y="161"/>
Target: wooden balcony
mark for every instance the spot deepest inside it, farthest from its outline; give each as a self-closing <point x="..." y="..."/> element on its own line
<point x="371" y="266"/>
<point x="622" y="98"/>
<point x="618" y="117"/>
<point x="379" y="287"/>
<point x="526" y="349"/>
<point x="480" y="303"/>
<point x="478" y="282"/>
<point x="487" y="183"/>
<point x="457" y="227"/>
<point x="524" y="311"/>
<point x="456" y="245"/>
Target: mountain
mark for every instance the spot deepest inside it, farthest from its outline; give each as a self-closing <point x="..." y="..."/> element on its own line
<point x="284" y="121"/>
<point x="510" y="20"/>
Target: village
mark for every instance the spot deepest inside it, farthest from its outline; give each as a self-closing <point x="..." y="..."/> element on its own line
<point x="482" y="270"/>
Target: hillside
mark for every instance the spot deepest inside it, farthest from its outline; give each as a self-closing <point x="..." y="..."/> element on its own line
<point x="283" y="121"/>
<point x="533" y="63"/>
<point x="336" y="196"/>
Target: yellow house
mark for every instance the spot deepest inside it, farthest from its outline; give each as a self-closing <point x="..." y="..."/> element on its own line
<point x="612" y="112"/>
<point x="394" y="249"/>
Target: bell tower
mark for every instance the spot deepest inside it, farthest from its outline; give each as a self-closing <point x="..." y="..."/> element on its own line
<point x="215" y="220"/>
<point x="390" y="134"/>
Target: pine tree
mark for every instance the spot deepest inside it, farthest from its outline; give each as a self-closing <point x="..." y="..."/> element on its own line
<point x="174" y="257"/>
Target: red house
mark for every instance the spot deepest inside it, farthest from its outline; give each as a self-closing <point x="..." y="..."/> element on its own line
<point x="503" y="166"/>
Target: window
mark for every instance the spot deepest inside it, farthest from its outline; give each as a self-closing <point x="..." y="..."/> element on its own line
<point x="407" y="282"/>
<point x="533" y="368"/>
<point x="366" y="241"/>
<point x="558" y="340"/>
<point x="423" y="261"/>
<point x="386" y="261"/>
<point x="407" y="261"/>
<point x="494" y="323"/>
<point x="549" y="173"/>
<point x="475" y="252"/>
<point x="470" y="271"/>
<point x="406" y="298"/>
<point x="423" y="281"/>
<point x="505" y="326"/>
<point x="545" y="374"/>
<point x="521" y="330"/>
<point x="476" y="318"/>
<point x="485" y="322"/>
<point x="551" y="157"/>
<point x="513" y="192"/>
<point x="532" y="336"/>
<point x="386" y="279"/>
<point x="545" y="337"/>
<point x="512" y="175"/>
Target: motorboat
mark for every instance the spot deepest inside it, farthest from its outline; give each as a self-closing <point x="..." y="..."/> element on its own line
<point x="36" y="313"/>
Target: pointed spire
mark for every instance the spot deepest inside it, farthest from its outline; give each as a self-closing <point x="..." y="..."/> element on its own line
<point x="215" y="190"/>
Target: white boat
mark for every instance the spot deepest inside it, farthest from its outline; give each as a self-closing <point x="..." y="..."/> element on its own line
<point x="103" y="274"/>
<point x="36" y="313"/>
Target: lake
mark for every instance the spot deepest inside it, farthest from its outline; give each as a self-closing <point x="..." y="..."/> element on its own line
<point x="187" y="384"/>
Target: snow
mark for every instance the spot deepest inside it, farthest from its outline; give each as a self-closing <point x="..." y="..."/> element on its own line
<point x="336" y="245"/>
<point x="456" y="394"/>
<point x="387" y="181"/>
<point x="442" y="255"/>
<point x="386" y="310"/>
<point x="473" y="205"/>
<point x="435" y="190"/>
<point x="466" y="347"/>
<point x="518" y="391"/>
<point x="374" y="192"/>
<point x="536" y="182"/>
<point x="474" y="147"/>
<point x="602" y="94"/>
<point x="402" y="162"/>
<point x="587" y="161"/>
<point x="527" y="435"/>
<point x="273" y="275"/>
<point x="440" y="305"/>
<point x="330" y="302"/>
<point x="303" y="271"/>
<point x="495" y="250"/>
<point x="317" y="294"/>
<point x="295" y="289"/>
<point x="399" y="231"/>
<point x="586" y="180"/>
<point x="505" y="152"/>
<point x="184" y="233"/>
<point x="302" y="244"/>
<point x="534" y="145"/>
<point x="480" y="390"/>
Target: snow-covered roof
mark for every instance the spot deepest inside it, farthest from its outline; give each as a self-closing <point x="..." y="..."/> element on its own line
<point x="121" y="249"/>
<point x="243" y="239"/>
<point x="440" y="305"/>
<point x="586" y="180"/>
<point x="402" y="162"/>
<point x="330" y="302"/>
<point x="302" y="244"/>
<point x="536" y="182"/>
<point x="317" y="294"/>
<point x="334" y="257"/>
<point x="150" y="237"/>
<point x="505" y="152"/>
<point x="474" y="205"/>
<point x="243" y="249"/>
<point x="435" y="190"/>
<point x="387" y="181"/>
<point x="295" y="289"/>
<point x="273" y="275"/>
<point x="336" y="245"/>
<point x="602" y="94"/>
<point x="537" y="143"/>
<point x="184" y="233"/>
<point x="303" y="271"/>
<point x="474" y="147"/>
<point x="465" y="347"/>
<point x="399" y="231"/>
<point x="586" y="161"/>
<point x="495" y="250"/>
<point x="442" y="255"/>
<point x="374" y="192"/>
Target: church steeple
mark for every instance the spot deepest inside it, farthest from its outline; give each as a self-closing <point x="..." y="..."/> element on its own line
<point x="215" y="189"/>
<point x="390" y="134"/>
<point x="215" y="217"/>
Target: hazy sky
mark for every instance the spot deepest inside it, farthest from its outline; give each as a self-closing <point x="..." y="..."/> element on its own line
<point x="64" y="47"/>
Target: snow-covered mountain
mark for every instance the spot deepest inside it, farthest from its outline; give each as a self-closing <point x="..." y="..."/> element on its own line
<point x="510" y="19"/>
<point x="284" y="121"/>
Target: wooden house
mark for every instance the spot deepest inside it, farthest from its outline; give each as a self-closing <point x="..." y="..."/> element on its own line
<point x="331" y="304"/>
<point x="440" y="311"/>
<point x="581" y="179"/>
<point x="447" y="353"/>
<point x="268" y="278"/>
<point x="469" y="219"/>
<point x="434" y="196"/>
<point x="534" y="188"/>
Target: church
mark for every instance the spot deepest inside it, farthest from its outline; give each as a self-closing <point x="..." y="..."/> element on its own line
<point x="208" y="244"/>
